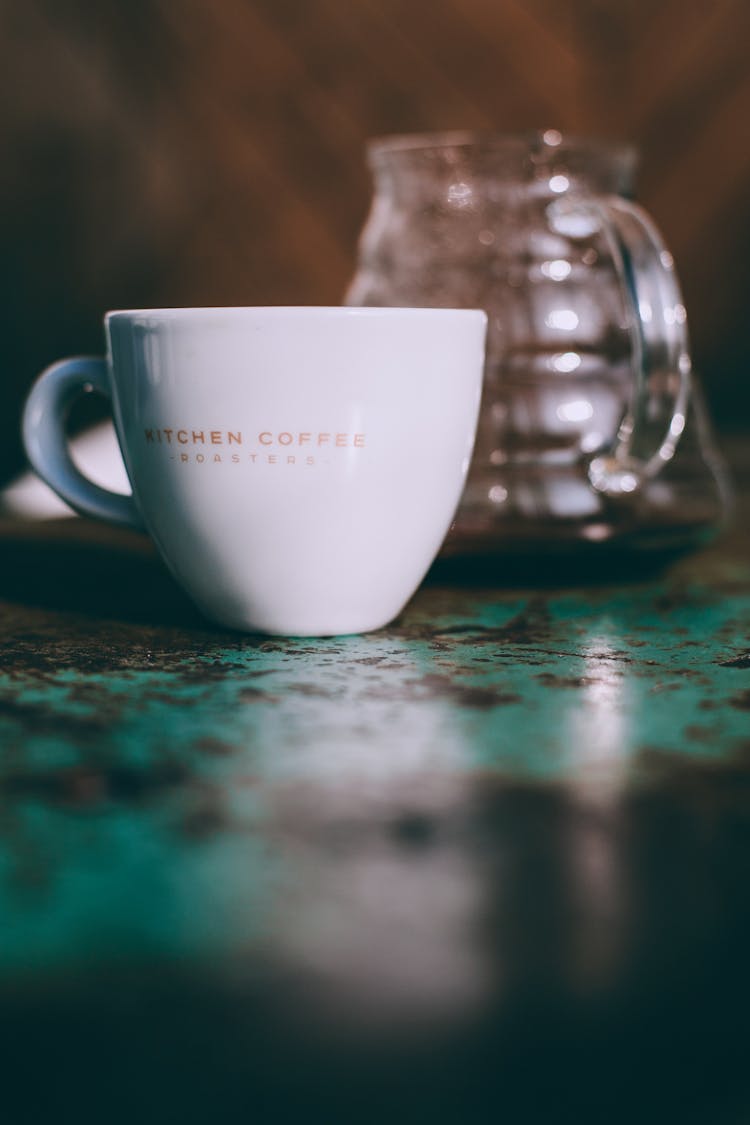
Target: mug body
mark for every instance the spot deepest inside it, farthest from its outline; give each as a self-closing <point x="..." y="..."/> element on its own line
<point x="298" y="468"/>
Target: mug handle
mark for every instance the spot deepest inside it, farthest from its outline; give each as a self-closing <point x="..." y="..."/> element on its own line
<point x="646" y="440"/>
<point x="43" y="429"/>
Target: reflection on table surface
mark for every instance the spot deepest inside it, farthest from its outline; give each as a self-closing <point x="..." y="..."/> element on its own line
<point x="489" y="864"/>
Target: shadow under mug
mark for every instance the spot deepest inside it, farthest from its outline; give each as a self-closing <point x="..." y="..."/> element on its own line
<point x="297" y="468"/>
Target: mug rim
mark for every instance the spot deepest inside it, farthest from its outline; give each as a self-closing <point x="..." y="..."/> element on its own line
<point x="370" y="312"/>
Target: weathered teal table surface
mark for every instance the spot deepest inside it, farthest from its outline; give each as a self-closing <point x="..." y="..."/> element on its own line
<point x="492" y="863"/>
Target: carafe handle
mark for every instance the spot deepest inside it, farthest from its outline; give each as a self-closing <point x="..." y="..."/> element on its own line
<point x="656" y="414"/>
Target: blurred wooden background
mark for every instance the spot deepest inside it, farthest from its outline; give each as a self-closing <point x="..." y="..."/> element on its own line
<point x="171" y="152"/>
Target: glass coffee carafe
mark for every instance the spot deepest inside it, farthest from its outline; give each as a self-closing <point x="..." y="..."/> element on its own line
<point x="592" y="429"/>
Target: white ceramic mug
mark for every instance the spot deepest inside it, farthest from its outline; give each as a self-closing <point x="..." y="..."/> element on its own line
<point x="297" y="468"/>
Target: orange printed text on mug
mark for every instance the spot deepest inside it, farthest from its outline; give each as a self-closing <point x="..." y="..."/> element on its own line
<point x="271" y="446"/>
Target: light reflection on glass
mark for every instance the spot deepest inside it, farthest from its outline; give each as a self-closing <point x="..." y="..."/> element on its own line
<point x="459" y="194"/>
<point x="565" y="361"/>
<point x="591" y="441"/>
<point x="675" y="314"/>
<point x="578" y="410"/>
<point x="564" y="319"/>
<point x="677" y="425"/>
<point x="574" y="220"/>
<point x="597" y="532"/>
<point x="559" y="183"/>
<point x="557" y="269"/>
<point x="498" y="494"/>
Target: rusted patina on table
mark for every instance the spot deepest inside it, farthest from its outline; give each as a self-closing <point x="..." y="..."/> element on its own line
<point x="491" y="862"/>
